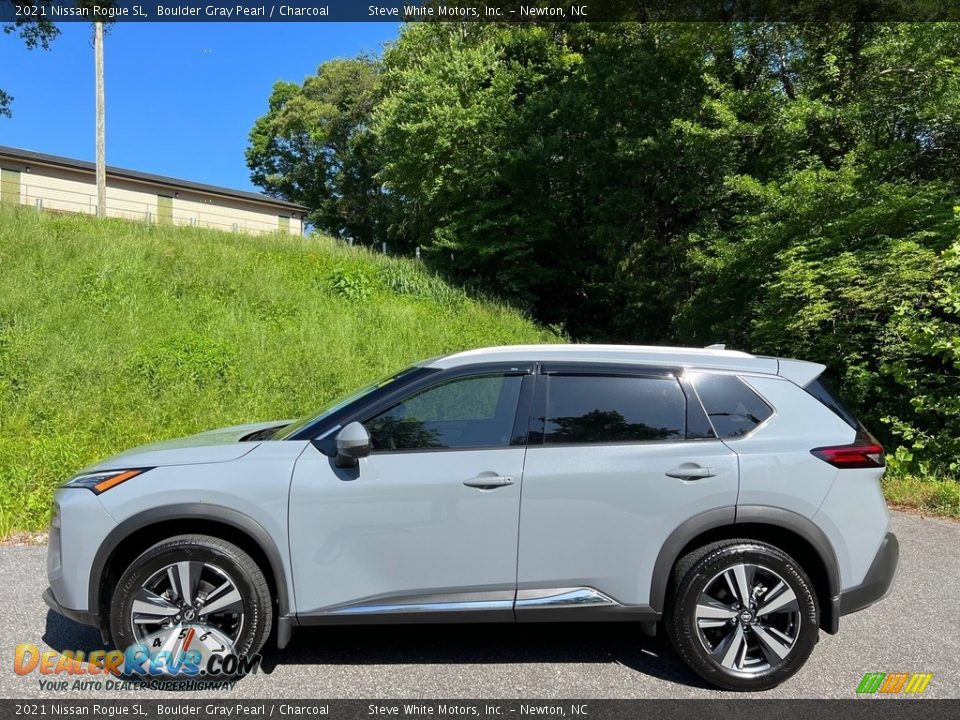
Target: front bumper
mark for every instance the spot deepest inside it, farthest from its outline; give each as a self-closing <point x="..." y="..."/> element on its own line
<point x="878" y="580"/>
<point x="80" y="616"/>
<point x="79" y="526"/>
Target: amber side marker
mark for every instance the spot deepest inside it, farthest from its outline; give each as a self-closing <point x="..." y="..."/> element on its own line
<point x="115" y="480"/>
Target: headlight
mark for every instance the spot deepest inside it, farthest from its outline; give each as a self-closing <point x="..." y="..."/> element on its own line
<point x="99" y="482"/>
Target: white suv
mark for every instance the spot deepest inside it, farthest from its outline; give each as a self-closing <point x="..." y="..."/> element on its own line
<point x="729" y="497"/>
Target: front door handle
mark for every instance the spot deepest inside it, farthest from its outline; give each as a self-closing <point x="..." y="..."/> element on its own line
<point x="691" y="472"/>
<point x="488" y="482"/>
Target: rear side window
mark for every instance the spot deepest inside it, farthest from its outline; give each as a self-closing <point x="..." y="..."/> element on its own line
<point x="733" y="408"/>
<point x="822" y="392"/>
<point x="609" y="409"/>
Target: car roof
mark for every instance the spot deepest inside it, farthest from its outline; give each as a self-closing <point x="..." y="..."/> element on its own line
<point x="625" y="354"/>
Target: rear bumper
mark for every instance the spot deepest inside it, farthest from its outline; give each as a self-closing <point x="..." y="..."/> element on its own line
<point x="80" y="616"/>
<point x="878" y="580"/>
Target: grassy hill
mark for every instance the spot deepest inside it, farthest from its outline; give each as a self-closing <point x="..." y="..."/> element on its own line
<point x="114" y="334"/>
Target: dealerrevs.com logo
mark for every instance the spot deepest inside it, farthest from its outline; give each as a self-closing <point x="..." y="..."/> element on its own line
<point x="188" y="650"/>
<point x="181" y="654"/>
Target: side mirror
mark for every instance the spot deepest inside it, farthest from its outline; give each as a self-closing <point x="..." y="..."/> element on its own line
<point x="353" y="443"/>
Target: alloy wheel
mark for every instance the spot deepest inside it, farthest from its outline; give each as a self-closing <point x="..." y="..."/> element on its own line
<point x="748" y="618"/>
<point x="187" y="593"/>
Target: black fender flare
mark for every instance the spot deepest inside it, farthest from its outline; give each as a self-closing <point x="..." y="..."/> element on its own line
<point x="732" y="516"/>
<point x="675" y="543"/>
<point x="189" y="511"/>
<point x="802" y="526"/>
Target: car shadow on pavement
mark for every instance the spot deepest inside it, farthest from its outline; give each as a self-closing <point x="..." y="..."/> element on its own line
<point x="618" y="643"/>
<point x="63" y="634"/>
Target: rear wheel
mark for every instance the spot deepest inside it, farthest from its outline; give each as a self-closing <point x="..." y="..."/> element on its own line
<point x="744" y="614"/>
<point x="192" y="593"/>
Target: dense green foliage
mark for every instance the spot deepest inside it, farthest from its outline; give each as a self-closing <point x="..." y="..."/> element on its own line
<point x="113" y="334"/>
<point x="783" y="188"/>
<point x="314" y="145"/>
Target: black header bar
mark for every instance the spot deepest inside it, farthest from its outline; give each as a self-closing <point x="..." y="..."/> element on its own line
<point x="239" y="708"/>
<point x="531" y="11"/>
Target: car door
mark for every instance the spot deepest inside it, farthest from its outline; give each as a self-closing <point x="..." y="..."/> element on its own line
<point x="615" y="463"/>
<point x="428" y="523"/>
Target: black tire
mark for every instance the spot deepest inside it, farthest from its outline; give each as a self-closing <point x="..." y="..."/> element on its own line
<point x="755" y="642"/>
<point x="252" y="630"/>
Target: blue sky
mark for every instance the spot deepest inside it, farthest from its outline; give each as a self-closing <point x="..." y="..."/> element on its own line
<point x="181" y="97"/>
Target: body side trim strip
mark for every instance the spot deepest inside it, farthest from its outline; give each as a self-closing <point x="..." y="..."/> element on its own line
<point x="389" y="609"/>
<point x="562" y="597"/>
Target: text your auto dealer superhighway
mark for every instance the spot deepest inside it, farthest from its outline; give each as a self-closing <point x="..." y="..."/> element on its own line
<point x="238" y="11"/>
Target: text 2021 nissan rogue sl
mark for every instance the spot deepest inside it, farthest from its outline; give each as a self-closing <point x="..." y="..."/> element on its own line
<point x="730" y="497"/>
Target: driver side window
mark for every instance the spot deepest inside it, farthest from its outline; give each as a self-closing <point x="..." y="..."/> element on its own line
<point x="468" y="412"/>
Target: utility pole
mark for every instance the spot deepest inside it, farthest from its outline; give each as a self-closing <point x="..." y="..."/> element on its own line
<point x="101" y="123"/>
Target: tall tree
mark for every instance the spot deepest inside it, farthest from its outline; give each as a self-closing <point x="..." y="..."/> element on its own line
<point x="531" y="161"/>
<point x="314" y="146"/>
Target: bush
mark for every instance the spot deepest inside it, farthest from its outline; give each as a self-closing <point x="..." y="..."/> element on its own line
<point x="351" y="282"/>
<point x="923" y="359"/>
<point x="881" y="309"/>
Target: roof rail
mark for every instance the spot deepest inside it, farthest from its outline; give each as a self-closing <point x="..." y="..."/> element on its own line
<point x="716" y="346"/>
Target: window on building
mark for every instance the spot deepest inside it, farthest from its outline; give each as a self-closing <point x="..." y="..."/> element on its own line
<point x="10" y="186"/>
<point x="164" y="209"/>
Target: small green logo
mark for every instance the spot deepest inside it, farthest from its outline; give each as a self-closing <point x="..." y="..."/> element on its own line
<point x="892" y="683"/>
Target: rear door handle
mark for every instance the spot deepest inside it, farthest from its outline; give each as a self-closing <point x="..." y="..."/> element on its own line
<point x="489" y="482"/>
<point x="691" y="472"/>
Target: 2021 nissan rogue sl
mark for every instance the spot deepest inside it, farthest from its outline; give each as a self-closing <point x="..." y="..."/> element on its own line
<point x="731" y="498"/>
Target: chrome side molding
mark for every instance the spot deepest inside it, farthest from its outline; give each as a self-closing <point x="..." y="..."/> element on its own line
<point x="430" y="603"/>
<point x="423" y="607"/>
<point x="562" y="597"/>
<point x="500" y="600"/>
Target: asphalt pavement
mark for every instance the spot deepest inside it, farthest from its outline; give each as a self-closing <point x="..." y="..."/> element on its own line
<point x="915" y="629"/>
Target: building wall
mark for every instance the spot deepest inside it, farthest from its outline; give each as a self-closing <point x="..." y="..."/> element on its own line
<point x="70" y="190"/>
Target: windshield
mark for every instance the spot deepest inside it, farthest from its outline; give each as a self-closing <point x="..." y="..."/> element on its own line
<point x="340" y="403"/>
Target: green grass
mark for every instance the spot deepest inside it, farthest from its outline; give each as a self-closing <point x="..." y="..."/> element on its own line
<point x="114" y="334"/>
<point x="937" y="496"/>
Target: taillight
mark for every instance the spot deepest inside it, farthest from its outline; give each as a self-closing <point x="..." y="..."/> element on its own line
<point x="865" y="452"/>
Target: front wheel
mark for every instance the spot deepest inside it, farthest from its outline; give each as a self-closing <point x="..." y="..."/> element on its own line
<point x="744" y="614"/>
<point x="192" y="593"/>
